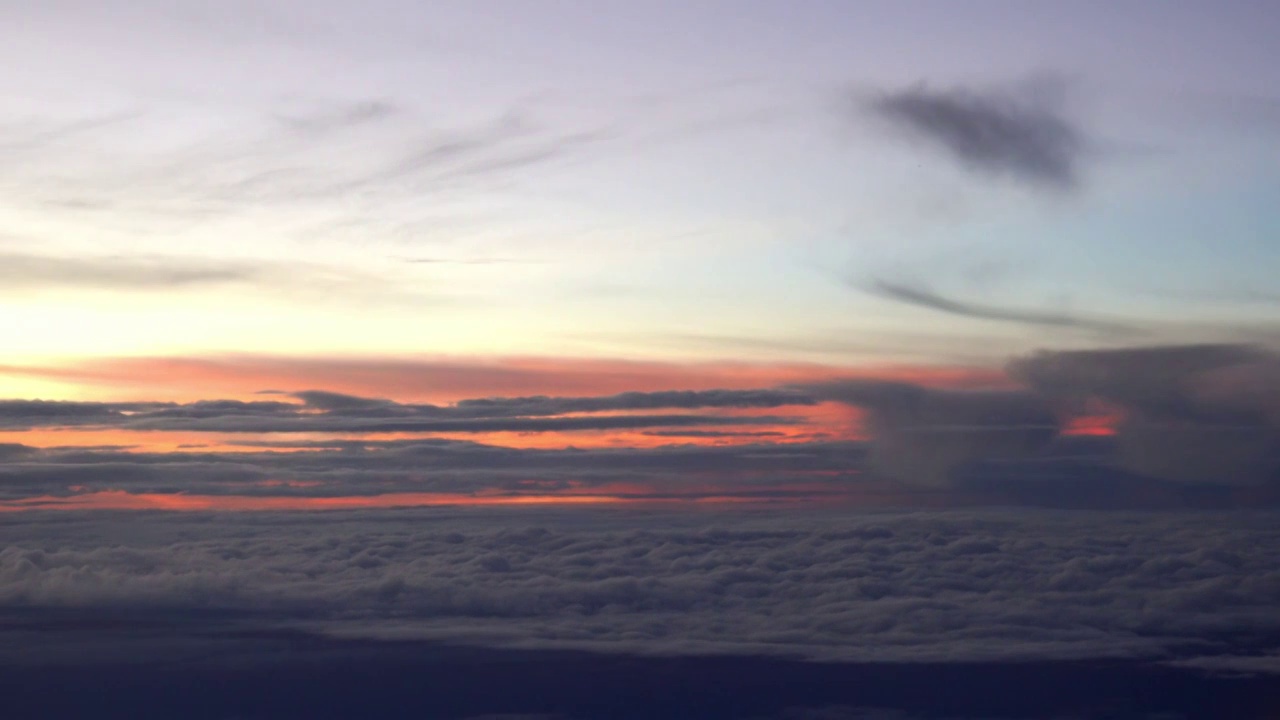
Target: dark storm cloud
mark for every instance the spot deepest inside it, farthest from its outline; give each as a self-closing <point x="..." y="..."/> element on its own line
<point x="862" y="587"/>
<point x="1014" y="133"/>
<point x="1206" y="413"/>
<point x="925" y="298"/>
<point x="922" y="436"/>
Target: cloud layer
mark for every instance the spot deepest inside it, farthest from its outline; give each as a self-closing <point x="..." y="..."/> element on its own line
<point x="854" y="586"/>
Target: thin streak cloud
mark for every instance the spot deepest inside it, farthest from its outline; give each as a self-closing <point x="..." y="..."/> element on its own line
<point x="924" y="298"/>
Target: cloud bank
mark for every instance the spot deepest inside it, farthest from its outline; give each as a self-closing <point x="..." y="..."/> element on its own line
<point x="942" y="586"/>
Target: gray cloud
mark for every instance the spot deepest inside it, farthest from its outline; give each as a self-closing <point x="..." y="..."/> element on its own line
<point x="1208" y="413"/>
<point x="1014" y="133"/>
<point x="637" y="401"/>
<point x="923" y="436"/>
<point x="344" y="468"/>
<point x="931" y="300"/>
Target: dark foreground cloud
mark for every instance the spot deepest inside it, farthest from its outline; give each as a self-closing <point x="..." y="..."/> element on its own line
<point x="1013" y="133"/>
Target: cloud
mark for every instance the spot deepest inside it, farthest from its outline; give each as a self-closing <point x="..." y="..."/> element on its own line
<point x="340" y="117"/>
<point x="323" y="411"/>
<point x="885" y="587"/>
<point x="20" y="271"/>
<point x="1202" y="413"/>
<point x="28" y="272"/>
<point x="327" y="474"/>
<point x="688" y="399"/>
<point x="922" y="436"/>
<point x="1201" y="416"/>
<point x="1013" y="133"/>
<point x="237" y="417"/>
<point x="921" y="297"/>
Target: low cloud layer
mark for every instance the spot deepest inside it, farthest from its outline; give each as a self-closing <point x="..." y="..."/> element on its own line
<point x="874" y="587"/>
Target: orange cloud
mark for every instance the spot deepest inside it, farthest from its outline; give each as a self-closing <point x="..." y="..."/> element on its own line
<point x="448" y="379"/>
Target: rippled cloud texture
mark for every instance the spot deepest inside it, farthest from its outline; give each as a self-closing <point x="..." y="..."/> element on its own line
<point x="940" y="586"/>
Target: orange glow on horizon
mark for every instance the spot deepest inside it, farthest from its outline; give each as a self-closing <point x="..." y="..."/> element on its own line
<point x="179" y="502"/>
<point x="448" y="379"/>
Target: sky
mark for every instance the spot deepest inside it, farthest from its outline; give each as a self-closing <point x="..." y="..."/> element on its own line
<point x="736" y="277"/>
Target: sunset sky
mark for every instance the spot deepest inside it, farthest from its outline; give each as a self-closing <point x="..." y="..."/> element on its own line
<point x="475" y="200"/>
<point x="706" y="261"/>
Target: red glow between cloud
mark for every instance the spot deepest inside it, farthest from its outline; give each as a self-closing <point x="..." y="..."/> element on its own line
<point x="613" y="495"/>
<point x="449" y="380"/>
<point x="1093" y="425"/>
<point x="823" y="421"/>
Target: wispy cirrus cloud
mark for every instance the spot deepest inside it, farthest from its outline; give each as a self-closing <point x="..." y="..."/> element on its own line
<point x="23" y="271"/>
<point x="26" y="272"/>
